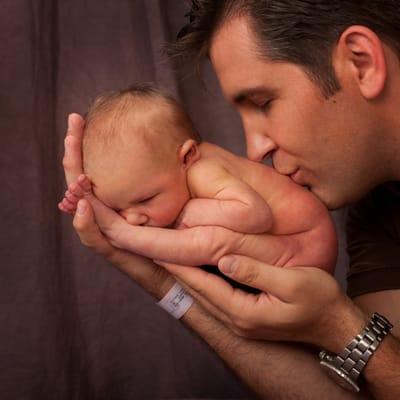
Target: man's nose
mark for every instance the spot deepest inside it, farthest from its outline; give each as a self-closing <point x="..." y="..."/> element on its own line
<point x="134" y="218"/>
<point x="259" y="146"/>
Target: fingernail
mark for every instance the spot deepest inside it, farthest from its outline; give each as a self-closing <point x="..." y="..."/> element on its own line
<point x="81" y="208"/>
<point x="227" y="264"/>
<point x="70" y="118"/>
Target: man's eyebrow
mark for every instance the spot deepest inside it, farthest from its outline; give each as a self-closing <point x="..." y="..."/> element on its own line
<point x="242" y="95"/>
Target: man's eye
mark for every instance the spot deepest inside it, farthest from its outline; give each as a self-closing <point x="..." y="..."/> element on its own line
<point x="264" y="106"/>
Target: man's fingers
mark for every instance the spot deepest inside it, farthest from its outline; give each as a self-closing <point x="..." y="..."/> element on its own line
<point x="89" y="233"/>
<point x="140" y="269"/>
<point x="193" y="273"/>
<point x="75" y="126"/>
<point x="72" y="160"/>
<point x="282" y="283"/>
<point x="229" y="302"/>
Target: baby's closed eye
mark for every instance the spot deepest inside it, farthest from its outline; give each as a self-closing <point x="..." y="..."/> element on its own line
<point x="147" y="199"/>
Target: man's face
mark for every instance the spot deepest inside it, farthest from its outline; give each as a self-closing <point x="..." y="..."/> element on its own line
<point x="142" y="190"/>
<point x="325" y="144"/>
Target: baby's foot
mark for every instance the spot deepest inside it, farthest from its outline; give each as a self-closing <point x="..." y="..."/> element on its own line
<point x="75" y="192"/>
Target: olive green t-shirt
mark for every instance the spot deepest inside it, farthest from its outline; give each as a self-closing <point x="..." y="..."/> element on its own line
<point x="373" y="241"/>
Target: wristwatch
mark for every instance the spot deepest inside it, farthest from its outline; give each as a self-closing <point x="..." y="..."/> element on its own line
<point x="346" y="367"/>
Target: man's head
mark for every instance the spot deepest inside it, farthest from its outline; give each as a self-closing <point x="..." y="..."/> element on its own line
<point x="138" y="144"/>
<point x="310" y="80"/>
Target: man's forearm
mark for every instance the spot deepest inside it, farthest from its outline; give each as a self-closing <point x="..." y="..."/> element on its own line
<point x="272" y="370"/>
<point x="382" y="372"/>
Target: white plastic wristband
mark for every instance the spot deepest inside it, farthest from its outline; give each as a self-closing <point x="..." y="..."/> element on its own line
<point x="177" y="301"/>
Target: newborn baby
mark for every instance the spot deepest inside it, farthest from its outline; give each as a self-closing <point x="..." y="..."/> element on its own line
<point x="159" y="191"/>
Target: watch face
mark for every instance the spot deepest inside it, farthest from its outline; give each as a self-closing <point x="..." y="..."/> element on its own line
<point x="340" y="377"/>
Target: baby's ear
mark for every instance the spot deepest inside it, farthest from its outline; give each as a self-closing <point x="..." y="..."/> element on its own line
<point x="189" y="153"/>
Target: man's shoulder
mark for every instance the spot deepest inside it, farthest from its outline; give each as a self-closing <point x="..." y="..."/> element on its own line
<point x="382" y="203"/>
<point x="373" y="241"/>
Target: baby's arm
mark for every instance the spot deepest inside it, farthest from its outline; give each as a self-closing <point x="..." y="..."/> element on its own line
<point x="195" y="246"/>
<point x="222" y="199"/>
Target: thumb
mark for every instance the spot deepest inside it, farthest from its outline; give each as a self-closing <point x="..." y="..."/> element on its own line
<point x="270" y="279"/>
<point x="72" y="160"/>
<point x="75" y="125"/>
<point x="84" y="220"/>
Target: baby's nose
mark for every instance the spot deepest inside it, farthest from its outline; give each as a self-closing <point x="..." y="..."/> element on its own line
<point x="135" y="219"/>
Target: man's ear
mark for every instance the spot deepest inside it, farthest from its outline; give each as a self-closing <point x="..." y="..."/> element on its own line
<point x="360" y="53"/>
<point x="189" y="153"/>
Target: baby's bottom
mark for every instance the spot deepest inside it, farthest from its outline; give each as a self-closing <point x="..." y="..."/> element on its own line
<point x="212" y="269"/>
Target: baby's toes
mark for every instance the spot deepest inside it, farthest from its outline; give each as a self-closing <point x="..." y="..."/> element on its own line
<point x="85" y="184"/>
<point x="67" y="205"/>
<point x="63" y="209"/>
<point x="71" y="197"/>
<point x="76" y="190"/>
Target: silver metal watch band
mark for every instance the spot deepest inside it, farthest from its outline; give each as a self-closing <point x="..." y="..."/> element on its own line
<point x="356" y="354"/>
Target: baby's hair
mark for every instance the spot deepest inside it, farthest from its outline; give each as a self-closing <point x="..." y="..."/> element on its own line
<point x="153" y="115"/>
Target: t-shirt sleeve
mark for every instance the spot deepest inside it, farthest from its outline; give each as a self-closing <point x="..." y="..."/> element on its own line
<point x="373" y="242"/>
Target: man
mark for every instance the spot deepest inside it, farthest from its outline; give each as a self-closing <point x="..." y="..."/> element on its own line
<point x="323" y="104"/>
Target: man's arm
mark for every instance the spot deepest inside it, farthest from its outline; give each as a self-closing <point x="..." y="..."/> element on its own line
<point x="296" y="304"/>
<point x="385" y="302"/>
<point x="274" y="371"/>
<point x="192" y="246"/>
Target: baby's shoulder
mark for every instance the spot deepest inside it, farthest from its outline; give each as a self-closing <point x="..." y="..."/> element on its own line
<point x="206" y="172"/>
<point x="206" y="168"/>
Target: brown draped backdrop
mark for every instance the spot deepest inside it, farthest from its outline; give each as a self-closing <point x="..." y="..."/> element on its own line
<point x="72" y="326"/>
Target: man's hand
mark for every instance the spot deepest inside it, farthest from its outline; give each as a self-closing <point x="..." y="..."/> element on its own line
<point x="296" y="304"/>
<point x="108" y="220"/>
<point x="72" y="160"/>
<point x="151" y="277"/>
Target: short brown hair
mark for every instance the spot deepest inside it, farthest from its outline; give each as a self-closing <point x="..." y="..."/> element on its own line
<point x="302" y="32"/>
<point x="156" y="116"/>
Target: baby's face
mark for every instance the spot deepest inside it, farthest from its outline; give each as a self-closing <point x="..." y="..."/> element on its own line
<point x="140" y="189"/>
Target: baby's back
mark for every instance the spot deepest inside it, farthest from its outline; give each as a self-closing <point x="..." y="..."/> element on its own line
<point x="292" y="205"/>
<point x="297" y="213"/>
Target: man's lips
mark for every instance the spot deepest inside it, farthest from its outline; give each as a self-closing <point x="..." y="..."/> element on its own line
<point x="296" y="177"/>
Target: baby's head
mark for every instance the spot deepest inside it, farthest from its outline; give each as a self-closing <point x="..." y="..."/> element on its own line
<point x="138" y="145"/>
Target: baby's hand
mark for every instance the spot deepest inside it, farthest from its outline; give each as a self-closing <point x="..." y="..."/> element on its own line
<point x="75" y="192"/>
